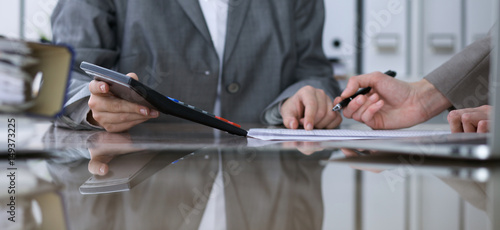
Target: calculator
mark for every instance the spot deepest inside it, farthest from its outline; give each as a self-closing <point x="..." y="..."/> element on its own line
<point x="129" y="89"/>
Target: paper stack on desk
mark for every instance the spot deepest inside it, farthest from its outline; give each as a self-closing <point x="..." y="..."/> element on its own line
<point x="335" y="134"/>
<point x="33" y="77"/>
<point x="15" y="83"/>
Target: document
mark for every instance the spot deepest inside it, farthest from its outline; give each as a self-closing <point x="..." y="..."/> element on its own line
<point x="15" y="81"/>
<point x="335" y="134"/>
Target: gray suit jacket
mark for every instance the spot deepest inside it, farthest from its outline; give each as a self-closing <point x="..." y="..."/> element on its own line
<point x="273" y="48"/>
<point x="464" y="78"/>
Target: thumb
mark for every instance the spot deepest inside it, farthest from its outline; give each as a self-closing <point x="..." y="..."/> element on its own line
<point x="97" y="167"/>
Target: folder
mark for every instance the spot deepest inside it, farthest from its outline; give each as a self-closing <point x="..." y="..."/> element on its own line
<point x="49" y="64"/>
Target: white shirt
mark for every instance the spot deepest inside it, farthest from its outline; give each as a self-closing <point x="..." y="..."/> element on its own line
<point x="215" y="13"/>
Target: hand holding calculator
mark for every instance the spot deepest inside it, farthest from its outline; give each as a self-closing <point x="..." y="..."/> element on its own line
<point x="134" y="91"/>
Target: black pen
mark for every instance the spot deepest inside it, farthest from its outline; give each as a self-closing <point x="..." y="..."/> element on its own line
<point x="346" y="101"/>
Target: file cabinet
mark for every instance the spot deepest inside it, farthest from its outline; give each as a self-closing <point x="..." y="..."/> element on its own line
<point x="339" y="36"/>
<point x="385" y="40"/>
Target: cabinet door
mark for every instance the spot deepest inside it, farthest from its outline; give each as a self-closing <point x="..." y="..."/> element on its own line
<point x="383" y="199"/>
<point x="339" y="34"/>
<point x="338" y="191"/>
<point x="9" y="19"/>
<point x="442" y="32"/>
<point x="385" y="36"/>
<point x="478" y="19"/>
<point x="438" y="200"/>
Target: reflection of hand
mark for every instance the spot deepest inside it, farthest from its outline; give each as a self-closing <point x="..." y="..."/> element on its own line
<point x="357" y="153"/>
<point x="112" y="113"/>
<point x="311" y="108"/>
<point x="306" y="148"/>
<point x="470" y="120"/>
<point x="392" y="104"/>
<point x="354" y="152"/>
<point x="105" y="147"/>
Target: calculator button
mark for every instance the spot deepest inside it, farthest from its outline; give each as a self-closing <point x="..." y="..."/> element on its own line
<point x="173" y="99"/>
<point x="198" y="110"/>
<point x="207" y="113"/>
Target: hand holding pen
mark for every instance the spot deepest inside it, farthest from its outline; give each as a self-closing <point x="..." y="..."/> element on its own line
<point x="361" y="91"/>
<point x="390" y="104"/>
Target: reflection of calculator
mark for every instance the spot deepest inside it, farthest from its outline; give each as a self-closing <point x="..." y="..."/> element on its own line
<point x="132" y="90"/>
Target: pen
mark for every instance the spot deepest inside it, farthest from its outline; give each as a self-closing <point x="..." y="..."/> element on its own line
<point x="346" y="101"/>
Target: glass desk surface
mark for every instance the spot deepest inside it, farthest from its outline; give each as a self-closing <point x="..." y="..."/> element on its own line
<point x="186" y="176"/>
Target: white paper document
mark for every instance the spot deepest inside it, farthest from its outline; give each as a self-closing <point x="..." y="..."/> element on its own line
<point x="335" y="134"/>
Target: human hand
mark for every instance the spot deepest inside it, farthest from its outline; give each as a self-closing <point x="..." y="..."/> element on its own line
<point x="353" y="153"/>
<point x="112" y="113"/>
<point x="311" y="108"/>
<point x="105" y="147"/>
<point x="306" y="148"/>
<point x="470" y="120"/>
<point x="392" y="104"/>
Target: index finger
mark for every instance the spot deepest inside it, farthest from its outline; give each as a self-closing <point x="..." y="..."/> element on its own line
<point x="311" y="107"/>
<point x="360" y="81"/>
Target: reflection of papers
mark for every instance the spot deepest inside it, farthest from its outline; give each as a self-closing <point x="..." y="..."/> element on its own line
<point x="336" y="134"/>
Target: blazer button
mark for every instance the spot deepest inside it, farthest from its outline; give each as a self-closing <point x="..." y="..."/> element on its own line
<point x="207" y="73"/>
<point x="233" y="87"/>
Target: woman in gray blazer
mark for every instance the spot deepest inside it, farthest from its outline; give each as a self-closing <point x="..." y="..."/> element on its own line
<point x="246" y="60"/>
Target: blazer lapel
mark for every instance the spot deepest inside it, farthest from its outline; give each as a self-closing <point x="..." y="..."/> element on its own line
<point x="193" y="10"/>
<point x="237" y="11"/>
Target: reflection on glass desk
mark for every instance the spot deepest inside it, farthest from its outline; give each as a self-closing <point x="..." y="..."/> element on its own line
<point x="188" y="177"/>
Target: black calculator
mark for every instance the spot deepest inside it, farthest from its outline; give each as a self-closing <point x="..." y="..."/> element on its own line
<point x="132" y="90"/>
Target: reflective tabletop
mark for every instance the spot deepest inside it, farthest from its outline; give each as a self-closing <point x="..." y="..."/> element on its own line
<point x="186" y="176"/>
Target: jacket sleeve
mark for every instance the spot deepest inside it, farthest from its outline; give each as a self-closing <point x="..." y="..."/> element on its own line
<point x="89" y="26"/>
<point x="464" y="78"/>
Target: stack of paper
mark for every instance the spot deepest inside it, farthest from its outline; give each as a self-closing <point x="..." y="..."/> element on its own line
<point x="15" y="83"/>
<point x="335" y="134"/>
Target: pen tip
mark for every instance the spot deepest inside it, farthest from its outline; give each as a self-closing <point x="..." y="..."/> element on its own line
<point x="336" y="108"/>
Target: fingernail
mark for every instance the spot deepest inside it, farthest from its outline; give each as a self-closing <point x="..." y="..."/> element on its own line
<point x="309" y="126"/>
<point x="102" y="169"/>
<point x="291" y="125"/>
<point x="373" y="97"/>
<point x="144" y="112"/>
<point x="103" y="88"/>
<point x="154" y="113"/>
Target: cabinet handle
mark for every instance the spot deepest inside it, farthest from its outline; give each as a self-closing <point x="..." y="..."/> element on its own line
<point x="442" y="41"/>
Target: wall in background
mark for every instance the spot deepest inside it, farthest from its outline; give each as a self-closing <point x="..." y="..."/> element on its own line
<point x="27" y="19"/>
<point x="409" y="36"/>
